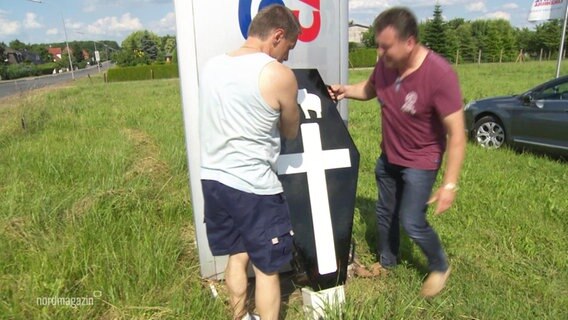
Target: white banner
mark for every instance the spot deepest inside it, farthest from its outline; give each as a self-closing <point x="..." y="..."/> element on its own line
<point x="547" y="10"/>
<point x="206" y="28"/>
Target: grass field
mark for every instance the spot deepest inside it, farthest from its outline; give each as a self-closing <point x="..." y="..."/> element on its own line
<point x="95" y="210"/>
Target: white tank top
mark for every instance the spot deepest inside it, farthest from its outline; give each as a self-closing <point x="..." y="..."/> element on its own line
<point x="240" y="140"/>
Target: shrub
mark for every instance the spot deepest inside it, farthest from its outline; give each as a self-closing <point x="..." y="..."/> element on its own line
<point x="15" y="71"/>
<point x="22" y="70"/>
<point x="360" y="58"/>
<point x="46" y="68"/>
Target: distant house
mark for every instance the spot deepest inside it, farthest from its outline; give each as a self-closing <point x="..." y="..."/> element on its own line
<point x="14" y="56"/>
<point x="356" y="31"/>
<point x="32" y="57"/>
<point x="55" y="53"/>
<point x="64" y="50"/>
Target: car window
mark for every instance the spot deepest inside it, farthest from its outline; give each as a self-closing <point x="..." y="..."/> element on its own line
<point x="558" y="91"/>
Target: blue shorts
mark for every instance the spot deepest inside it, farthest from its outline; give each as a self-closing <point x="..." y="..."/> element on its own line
<point x="238" y="221"/>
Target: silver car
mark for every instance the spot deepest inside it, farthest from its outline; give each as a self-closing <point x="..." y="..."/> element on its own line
<point x="536" y="119"/>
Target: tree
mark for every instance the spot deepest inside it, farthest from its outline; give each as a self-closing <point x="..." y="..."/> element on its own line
<point x="547" y="36"/>
<point x="508" y="43"/>
<point x="493" y="43"/>
<point x="140" y="47"/>
<point x="2" y="53"/>
<point x="452" y="44"/>
<point x="368" y="38"/>
<point x="18" y="45"/>
<point x="169" y="44"/>
<point x="479" y="29"/>
<point x="64" y="61"/>
<point x="134" y="40"/>
<point x="455" y="23"/>
<point x="524" y="38"/>
<point x="149" y="47"/>
<point x="76" y="52"/>
<point x="468" y="48"/>
<point x="435" y="32"/>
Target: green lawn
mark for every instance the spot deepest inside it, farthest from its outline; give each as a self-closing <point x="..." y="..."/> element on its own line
<point x="94" y="204"/>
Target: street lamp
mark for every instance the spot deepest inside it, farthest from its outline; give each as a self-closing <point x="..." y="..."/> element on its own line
<point x="66" y="42"/>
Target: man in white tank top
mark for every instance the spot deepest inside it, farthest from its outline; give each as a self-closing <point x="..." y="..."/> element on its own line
<point x="247" y="100"/>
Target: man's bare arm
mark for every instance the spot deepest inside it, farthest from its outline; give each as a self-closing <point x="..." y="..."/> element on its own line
<point x="363" y="90"/>
<point x="279" y="88"/>
<point x="289" y="111"/>
<point x="445" y="195"/>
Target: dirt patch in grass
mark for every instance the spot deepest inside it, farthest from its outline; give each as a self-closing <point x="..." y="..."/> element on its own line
<point x="148" y="161"/>
<point x="16" y="228"/>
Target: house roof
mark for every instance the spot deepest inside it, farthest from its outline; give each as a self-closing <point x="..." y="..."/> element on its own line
<point x="54" y="51"/>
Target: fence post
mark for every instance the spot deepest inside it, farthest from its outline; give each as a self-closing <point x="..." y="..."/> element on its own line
<point x="457" y="56"/>
<point x="540" y="58"/>
<point x="479" y="57"/>
<point x="501" y="56"/>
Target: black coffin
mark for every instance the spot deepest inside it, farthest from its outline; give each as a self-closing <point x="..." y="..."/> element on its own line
<point x="319" y="172"/>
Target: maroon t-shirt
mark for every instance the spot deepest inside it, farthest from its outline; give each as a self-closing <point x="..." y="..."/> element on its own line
<point x="412" y="111"/>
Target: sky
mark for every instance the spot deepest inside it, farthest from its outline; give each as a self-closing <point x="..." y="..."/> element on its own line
<point x="32" y="22"/>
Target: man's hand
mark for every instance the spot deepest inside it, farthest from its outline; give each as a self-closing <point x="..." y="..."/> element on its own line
<point x="444" y="196"/>
<point x="336" y="92"/>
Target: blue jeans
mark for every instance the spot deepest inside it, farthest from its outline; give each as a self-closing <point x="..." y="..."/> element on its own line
<point x="403" y="193"/>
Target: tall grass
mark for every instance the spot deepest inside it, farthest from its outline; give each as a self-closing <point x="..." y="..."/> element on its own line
<point x="94" y="204"/>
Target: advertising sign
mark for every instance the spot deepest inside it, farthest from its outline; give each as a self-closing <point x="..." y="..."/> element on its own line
<point x="547" y="10"/>
<point x="209" y="28"/>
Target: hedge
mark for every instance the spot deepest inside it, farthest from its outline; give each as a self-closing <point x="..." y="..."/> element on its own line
<point x="22" y="70"/>
<point x="360" y="58"/>
<point x="145" y="72"/>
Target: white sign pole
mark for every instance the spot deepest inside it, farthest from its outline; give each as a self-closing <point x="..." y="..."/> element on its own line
<point x="561" y="49"/>
<point x="188" y="70"/>
<point x="344" y="55"/>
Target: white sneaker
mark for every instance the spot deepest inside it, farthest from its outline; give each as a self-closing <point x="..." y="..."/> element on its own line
<point x="435" y="282"/>
<point x="249" y="316"/>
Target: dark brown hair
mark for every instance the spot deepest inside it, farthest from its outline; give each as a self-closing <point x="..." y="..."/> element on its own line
<point x="273" y="17"/>
<point x="401" y="19"/>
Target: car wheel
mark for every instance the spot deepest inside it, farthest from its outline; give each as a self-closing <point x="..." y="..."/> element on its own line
<point x="488" y="132"/>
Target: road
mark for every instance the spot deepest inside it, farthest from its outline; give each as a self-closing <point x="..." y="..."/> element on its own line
<point x="11" y="87"/>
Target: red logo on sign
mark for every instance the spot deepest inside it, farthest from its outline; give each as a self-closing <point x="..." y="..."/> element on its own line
<point x="310" y="33"/>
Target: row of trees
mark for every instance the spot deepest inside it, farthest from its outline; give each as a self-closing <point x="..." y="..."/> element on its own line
<point x="496" y="39"/>
<point x="139" y="48"/>
<point x="144" y="47"/>
<point x="35" y="59"/>
<point x="105" y="49"/>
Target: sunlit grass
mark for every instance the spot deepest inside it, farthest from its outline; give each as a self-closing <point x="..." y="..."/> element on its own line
<point x="94" y="202"/>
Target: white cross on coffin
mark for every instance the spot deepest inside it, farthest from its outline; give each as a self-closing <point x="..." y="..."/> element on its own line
<point x="314" y="161"/>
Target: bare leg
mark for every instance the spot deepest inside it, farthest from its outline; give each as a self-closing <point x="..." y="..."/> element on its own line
<point x="236" y="280"/>
<point x="267" y="295"/>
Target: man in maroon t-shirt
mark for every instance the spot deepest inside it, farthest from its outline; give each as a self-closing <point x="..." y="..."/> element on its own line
<point x="422" y="116"/>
